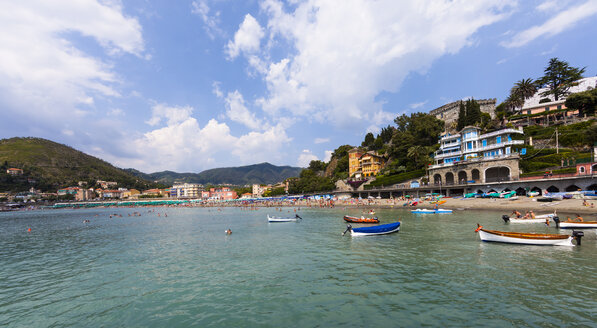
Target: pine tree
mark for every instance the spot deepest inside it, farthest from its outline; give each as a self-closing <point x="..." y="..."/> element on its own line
<point x="559" y="78"/>
<point x="461" y="123"/>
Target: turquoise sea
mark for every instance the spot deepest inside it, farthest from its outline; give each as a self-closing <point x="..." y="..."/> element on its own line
<point x="184" y="271"/>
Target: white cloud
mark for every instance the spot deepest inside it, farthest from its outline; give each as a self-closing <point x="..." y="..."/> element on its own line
<point x="321" y="140"/>
<point x="238" y="112"/>
<point x="116" y="112"/>
<point x="328" y="155"/>
<point x="211" y="22"/>
<point x="43" y="75"/>
<point x="557" y="24"/>
<point x="173" y="115"/>
<point x="216" y="89"/>
<point x="182" y="144"/>
<point x="345" y="53"/>
<point x="550" y="5"/>
<point x="305" y="158"/>
<point x="247" y="39"/>
<point x="418" y="105"/>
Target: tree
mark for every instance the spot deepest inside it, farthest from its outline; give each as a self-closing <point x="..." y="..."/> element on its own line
<point x="461" y="116"/>
<point x="585" y="102"/>
<point x="369" y="139"/>
<point x="317" y="166"/>
<point x="473" y="112"/>
<point x="418" y="129"/>
<point x="377" y="144"/>
<point x="559" y="78"/>
<point x="387" y="133"/>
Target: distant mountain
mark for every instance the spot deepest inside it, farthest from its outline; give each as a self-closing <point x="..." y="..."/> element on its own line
<point x="264" y="173"/>
<point x="48" y="165"/>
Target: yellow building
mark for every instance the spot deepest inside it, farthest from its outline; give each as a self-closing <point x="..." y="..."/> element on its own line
<point x="364" y="164"/>
<point x="354" y="167"/>
<point x="371" y="163"/>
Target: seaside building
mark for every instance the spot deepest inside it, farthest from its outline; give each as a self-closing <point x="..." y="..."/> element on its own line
<point x="545" y="110"/>
<point x="363" y="164"/>
<point x="258" y="189"/>
<point x="84" y="194"/>
<point x="223" y="193"/>
<point x="106" y="184"/>
<point x="112" y="194"/>
<point x="471" y="157"/>
<point x="68" y="191"/>
<point x="186" y="190"/>
<point x="449" y="112"/>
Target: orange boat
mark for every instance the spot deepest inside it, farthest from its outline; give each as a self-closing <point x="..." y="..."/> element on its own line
<point x="362" y="219"/>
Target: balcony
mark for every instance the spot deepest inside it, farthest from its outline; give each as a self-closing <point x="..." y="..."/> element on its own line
<point x="500" y="145"/>
<point x="497" y="133"/>
<point x="456" y="153"/>
<point x="473" y="160"/>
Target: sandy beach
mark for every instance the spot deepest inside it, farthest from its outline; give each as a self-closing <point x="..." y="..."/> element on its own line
<point x="522" y="204"/>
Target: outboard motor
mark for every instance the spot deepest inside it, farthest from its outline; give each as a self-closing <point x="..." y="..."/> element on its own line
<point x="557" y="221"/>
<point x="577" y="235"/>
<point x="506" y="218"/>
<point x="348" y="228"/>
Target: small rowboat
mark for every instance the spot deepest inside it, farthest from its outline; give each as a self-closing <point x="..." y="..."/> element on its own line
<point x="575" y="225"/>
<point x="274" y="219"/>
<point x="431" y="211"/>
<point x="538" y="219"/>
<point x="579" y="225"/>
<point x="525" y="238"/>
<point x="382" y="229"/>
<point x="439" y="202"/>
<point x="353" y="219"/>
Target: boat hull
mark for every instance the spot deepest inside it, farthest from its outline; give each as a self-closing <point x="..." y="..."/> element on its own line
<point x="353" y="219"/>
<point x="525" y="238"/>
<point x="383" y="229"/>
<point x="274" y="219"/>
<point x="579" y="225"/>
<point x="429" y="211"/>
<point x="537" y="219"/>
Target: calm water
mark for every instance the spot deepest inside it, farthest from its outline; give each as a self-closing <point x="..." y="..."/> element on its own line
<point x="182" y="270"/>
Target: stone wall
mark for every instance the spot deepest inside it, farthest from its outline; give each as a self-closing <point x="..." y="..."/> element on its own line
<point x="449" y="112"/>
<point x="468" y="167"/>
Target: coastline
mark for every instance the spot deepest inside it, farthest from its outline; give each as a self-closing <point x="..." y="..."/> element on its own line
<point x="522" y="204"/>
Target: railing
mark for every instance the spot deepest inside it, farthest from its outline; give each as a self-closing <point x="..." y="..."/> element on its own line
<point x="495" y="133"/>
<point x="448" y="155"/>
<point x="473" y="160"/>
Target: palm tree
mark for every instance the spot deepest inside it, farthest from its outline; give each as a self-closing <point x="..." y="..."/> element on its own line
<point x="521" y="91"/>
<point x="526" y="88"/>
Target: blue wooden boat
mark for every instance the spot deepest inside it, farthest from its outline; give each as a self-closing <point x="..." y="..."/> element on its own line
<point x="382" y="229"/>
<point x="431" y="211"/>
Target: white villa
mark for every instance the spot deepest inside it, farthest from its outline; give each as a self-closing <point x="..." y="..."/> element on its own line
<point x="465" y="155"/>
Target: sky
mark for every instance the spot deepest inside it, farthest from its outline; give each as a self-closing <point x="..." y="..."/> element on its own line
<point x="193" y="85"/>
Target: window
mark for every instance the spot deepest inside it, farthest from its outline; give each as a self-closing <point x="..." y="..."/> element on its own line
<point x="581" y="169"/>
<point x="559" y="106"/>
<point x="529" y="112"/>
<point x="484" y="143"/>
<point x="498" y="140"/>
<point x="546" y="108"/>
<point x="469" y="145"/>
<point x="509" y="138"/>
<point x="507" y="150"/>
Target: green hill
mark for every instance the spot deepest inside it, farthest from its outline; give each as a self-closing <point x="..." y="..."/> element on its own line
<point x="264" y="173"/>
<point x="48" y="166"/>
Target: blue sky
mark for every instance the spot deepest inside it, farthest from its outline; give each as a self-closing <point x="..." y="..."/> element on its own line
<point x="193" y="85"/>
